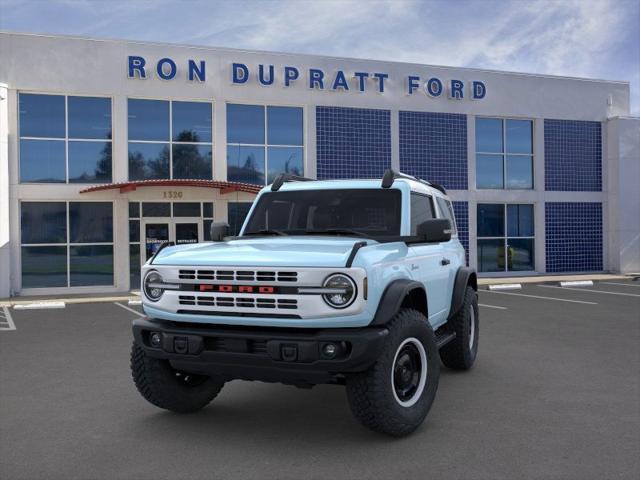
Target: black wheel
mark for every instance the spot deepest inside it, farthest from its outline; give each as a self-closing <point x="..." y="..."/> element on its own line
<point x="460" y="353"/>
<point x="167" y="388"/>
<point x="396" y="393"/>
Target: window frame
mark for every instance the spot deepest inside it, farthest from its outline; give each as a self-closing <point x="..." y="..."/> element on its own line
<point x="266" y="145"/>
<point x="66" y="138"/>
<point x="67" y="244"/>
<point x="504" y="154"/>
<point x="169" y="141"/>
<point x="505" y="238"/>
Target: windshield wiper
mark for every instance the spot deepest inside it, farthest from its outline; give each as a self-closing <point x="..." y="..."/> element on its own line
<point x="266" y="232"/>
<point x="337" y="231"/>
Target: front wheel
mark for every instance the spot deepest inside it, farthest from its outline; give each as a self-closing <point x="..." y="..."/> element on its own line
<point x="163" y="386"/>
<point x="396" y="393"/>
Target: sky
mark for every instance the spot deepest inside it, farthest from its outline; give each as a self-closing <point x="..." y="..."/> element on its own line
<point x="579" y="38"/>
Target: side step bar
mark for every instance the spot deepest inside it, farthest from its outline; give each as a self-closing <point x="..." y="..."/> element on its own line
<point x="442" y="338"/>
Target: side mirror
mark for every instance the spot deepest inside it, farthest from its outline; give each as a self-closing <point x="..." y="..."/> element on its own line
<point x="219" y="230"/>
<point x="435" y="231"/>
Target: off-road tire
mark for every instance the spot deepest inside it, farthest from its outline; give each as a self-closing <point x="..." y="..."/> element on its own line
<point x="459" y="354"/>
<point x="371" y="393"/>
<point x="167" y="388"/>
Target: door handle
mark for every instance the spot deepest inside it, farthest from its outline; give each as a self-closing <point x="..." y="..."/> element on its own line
<point x="445" y="261"/>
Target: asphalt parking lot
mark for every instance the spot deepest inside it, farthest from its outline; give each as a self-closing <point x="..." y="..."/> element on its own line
<point x="555" y="393"/>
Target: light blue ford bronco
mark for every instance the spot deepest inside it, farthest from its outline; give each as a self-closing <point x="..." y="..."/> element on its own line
<point x="361" y="283"/>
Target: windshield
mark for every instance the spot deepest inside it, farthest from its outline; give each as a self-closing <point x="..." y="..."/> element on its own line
<point x="358" y="212"/>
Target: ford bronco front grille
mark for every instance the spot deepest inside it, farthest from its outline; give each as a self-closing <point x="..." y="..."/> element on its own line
<point x="238" y="275"/>
<point x="238" y="302"/>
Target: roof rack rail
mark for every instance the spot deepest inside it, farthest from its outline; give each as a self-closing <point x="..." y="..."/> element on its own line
<point x="391" y="175"/>
<point x="287" y="177"/>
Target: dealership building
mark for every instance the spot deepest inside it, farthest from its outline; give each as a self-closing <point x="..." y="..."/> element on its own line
<point x="109" y="148"/>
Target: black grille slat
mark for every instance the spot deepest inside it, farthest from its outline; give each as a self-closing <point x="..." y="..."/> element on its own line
<point x="187" y="274"/>
<point x="187" y="300"/>
<point x="287" y="276"/>
<point x="225" y="302"/>
<point x="266" y="276"/>
<point x="224" y="275"/>
<point x="206" y="275"/>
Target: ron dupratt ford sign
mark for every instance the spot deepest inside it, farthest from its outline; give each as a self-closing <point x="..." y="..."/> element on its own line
<point x="313" y="78"/>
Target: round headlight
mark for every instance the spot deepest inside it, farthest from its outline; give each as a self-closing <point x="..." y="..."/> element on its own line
<point x="152" y="286"/>
<point x="341" y="291"/>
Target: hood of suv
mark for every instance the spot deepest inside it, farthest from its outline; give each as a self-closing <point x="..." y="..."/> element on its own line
<point x="311" y="251"/>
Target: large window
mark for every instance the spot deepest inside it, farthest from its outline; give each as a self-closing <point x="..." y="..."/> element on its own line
<point x="170" y="140"/>
<point x="65" y="139"/>
<point x="263" y="142"/>
<point x="505" y="237"/>
<point x="66" y="244"/>
<point x="504" y="153"/>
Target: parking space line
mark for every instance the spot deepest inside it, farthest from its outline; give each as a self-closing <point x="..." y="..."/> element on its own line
<point x="492" y="306"/>
<point x="129" y="309"/>
<point x="592" y="290"/>
<point x="621" y="284"/>
<point x="8" y="320"/>
<point x="543" y="298"/>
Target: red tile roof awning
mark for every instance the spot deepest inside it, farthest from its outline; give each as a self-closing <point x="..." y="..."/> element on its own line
<point x="224" y="187"/>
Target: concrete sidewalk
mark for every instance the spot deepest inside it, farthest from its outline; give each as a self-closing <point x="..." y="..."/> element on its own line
<point x="135" y="295"/>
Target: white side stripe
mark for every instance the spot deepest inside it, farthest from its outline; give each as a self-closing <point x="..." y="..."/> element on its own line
<point x="591" y="290"/>
<point x="543" y="298"/>
<point x="130" y="309"/>
<point x="7" y="324"/>
<point x="492" y="306"/>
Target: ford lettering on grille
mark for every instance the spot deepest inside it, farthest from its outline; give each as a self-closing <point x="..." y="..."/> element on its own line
<point x="238" y="288"/>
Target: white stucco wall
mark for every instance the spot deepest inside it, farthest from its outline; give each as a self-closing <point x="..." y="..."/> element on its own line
<point x="623" y="160"/>
<point x="5" y="246"/>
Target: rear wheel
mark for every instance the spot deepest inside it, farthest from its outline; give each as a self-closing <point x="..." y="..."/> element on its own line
<point x="165" y="387"/>
<point x="396" y="393"/>
<point x="461" y="352"/>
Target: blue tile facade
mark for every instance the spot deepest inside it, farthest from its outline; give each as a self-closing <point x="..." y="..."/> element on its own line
<point x="352" y="142"/>
<point x="461" y="211"/>
<point x="573" y="155"/>
<point x="433" y="146"/>
<point x="573" y="236"/>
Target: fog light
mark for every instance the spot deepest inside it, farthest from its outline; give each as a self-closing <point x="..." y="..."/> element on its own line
<point x="155" y="339"/>
<point x="329" y="350"/>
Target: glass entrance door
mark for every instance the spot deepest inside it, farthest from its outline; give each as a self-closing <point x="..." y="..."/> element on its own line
<point x="159" y="231"/>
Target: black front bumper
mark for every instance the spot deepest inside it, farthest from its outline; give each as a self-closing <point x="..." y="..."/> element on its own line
<point x="293" y="356"/>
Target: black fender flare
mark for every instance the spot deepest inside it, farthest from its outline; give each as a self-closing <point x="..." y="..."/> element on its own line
<point x="465" y="276"/>
<point x="394" y="296"/>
